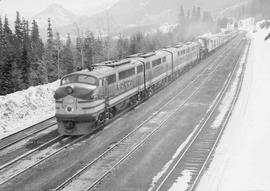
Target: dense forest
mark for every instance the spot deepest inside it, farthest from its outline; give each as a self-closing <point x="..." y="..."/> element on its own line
<point x="25" y="60"/>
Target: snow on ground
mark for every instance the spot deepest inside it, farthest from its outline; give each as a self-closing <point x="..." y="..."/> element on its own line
<point x="182" y="181"/>
<point x="24" y="108"/>
<point x="241" y="161"/>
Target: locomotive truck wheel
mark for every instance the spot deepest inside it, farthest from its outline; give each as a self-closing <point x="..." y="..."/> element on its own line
<point x="133" y="100"/>
<point x="150" y="92"/>
<point x="101" y="119"/>
<point x="108" y="115"/>
<point x="139" y="97"/>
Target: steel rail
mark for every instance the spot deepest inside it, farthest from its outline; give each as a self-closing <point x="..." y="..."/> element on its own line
<point x="192" y="187"/>
<point x="40" y="161"/>
<point x="202" y="125"/>
<point x="3" y="140"/>
<point x="148" y="119"/>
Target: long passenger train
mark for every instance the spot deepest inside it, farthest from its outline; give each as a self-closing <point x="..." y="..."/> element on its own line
<point x="87" y="99"/>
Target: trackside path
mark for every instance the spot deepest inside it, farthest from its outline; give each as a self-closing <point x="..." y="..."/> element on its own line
<point x="241" y="161"/>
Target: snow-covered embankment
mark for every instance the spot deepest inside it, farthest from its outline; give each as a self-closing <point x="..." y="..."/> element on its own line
<point x="24" y="108"/>
<point x="241" y="161"/>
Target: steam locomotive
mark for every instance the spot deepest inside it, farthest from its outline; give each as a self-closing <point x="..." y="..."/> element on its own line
<point x="87" y="99"/>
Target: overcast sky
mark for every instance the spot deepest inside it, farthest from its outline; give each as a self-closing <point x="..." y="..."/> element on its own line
<point x="29" y="8"/>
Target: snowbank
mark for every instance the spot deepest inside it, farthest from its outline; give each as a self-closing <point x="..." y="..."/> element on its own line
<point x="241" y="161"/>
<point x="24" y="108"/>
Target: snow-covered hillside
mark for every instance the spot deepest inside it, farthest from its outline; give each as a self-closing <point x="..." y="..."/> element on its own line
<point x="58" y="14"/>
<point x="24" y="108"/>
<point x="241" y="161"/>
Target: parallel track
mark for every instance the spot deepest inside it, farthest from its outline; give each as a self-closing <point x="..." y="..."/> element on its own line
<point x="200" y="149"/>
<point x="26" y="133"/>
<point x="95" y="171"/>
<point x="9" y="166"/>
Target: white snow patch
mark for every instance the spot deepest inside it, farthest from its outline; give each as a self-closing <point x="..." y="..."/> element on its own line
<point x="28" y="162"/>
<point x="241" y="161"/>
<point x="27" y="107"/>
<point x="180" y="148"/>
<point x="227" y="101"/>
<point x="174" y="157"/>
<point x="182" y="181"/>
<point x="166" y="28"/>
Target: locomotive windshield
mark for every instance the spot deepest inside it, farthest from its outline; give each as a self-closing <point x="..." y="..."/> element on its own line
<point x="85" y="79"/>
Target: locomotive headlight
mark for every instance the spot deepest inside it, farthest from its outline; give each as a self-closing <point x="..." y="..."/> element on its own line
<point x="94" y="95"/>
<point x="69" y="90"/>
<point x="69" y="108"/>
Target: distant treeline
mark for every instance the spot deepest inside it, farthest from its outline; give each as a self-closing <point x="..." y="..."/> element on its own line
<point x="260" y="9"/>
<point x="25" y="60"/>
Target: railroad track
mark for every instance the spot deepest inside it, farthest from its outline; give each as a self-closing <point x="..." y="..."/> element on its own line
<point x="89" y="176"/>
<point x="200" y="149"/>
<point x="10" y="165"/>
<point x="35" y="157"/>
<point x="26" y="133"/>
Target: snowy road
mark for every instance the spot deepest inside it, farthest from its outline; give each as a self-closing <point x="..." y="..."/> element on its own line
<point x="241" y="161"/>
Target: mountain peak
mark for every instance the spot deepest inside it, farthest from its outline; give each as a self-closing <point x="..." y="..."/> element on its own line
<point x="59" y="15"/>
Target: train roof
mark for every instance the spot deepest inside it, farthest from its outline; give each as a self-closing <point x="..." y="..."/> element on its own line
<point x="104" y="69"/>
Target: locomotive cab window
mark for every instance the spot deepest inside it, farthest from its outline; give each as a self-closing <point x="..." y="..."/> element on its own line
<point x="111" y="79"/>
<point x="139" y="69"/>
<point x="85" y="79"/>
<point x="147" y="65"/>
<point x="156" y="62"/>
<point x="126" y="73"/>
<point x="183" y="52"/>
<point x="164" y="59"/>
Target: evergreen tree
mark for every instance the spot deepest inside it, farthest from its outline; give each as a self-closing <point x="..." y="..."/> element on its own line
<point x="188" y="15"/>
<point x="1" y="28"/>
<point x="136" y="43"/>
<point x="36" y="42"/>
<point x="1" y="49"/>
<point x="89" y="51"/>
<point x="1" y="41"/>
<point x="198" y="16"/>
<point x="67" y="57"/>
<point x="79" y="52"/>
<point x="98" y="51"/>
<point x="19" y="29"/>
<point x="205" y="17"/>
<point x="25" y="62"/>
<point x="38" y="69"/>
<point x="25" y="56"/>
<point x="121" y="47"/>
<point x="51" y="55"/>
<point x="8" y="62"/>
<point x="181" y="16"/>
<point x="18" y="46"/>
<point x="6" y="30"/>
<point x="194" y="14"/>
<point x="222" y="23"/>
<point x="49" y="34"/>
<point x="58" y="45"/>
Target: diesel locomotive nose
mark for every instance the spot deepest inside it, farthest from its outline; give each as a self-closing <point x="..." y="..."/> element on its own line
<point x="76" y="91"/>
<point x="69" y="126"/>
<point x="69" y="89"/>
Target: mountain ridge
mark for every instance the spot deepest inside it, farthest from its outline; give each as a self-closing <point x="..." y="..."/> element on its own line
<point x="59" y="16"/>
<point x="129" y="13"/>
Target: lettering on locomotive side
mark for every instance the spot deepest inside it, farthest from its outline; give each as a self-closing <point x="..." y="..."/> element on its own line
<point x="124" y="85"/>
